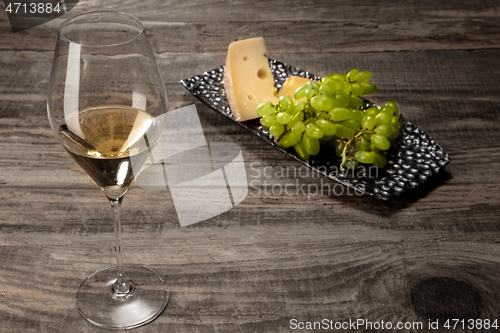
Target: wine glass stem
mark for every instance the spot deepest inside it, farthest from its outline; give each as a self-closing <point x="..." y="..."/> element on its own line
<point x="121" y="286"/>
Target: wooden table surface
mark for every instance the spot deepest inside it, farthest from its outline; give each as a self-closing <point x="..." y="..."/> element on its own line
<point x="432" y="254"/>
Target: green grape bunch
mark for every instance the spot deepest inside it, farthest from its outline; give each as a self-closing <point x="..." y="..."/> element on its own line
<point x="334" y="115"/>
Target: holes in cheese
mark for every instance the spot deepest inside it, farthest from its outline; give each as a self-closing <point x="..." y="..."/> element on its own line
<point x="248" y="80"/>
<point x="262" y="73"/>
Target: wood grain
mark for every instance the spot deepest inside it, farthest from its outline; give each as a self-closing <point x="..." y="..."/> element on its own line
<point x="432" y="254"/>
<point x="308" y="27"/>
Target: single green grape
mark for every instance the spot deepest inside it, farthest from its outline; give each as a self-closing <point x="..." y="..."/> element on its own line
<point x="300" y="92"/>
<point x="352" y="75"/>
<point x="313" y="84"/>
<point x="299" y="116"/>
<point x="301" y="151"/>
<point x="339" y="114"/>
<point x="346" y="87"/>
<point x="380" y="142"/>
<point x="369" y="88"/>
<point x="373" y="111"/>
<point x="373" y="148"/>
<point x="311" y="144"/>
<point x="352" y="124"/>
<point x="389" y="110"/>
<point x="314" y="131"/>
<point x="328" y="88"/>
<point x="326" y="79"/>
<point x="368" y="122"/>
<point x="337" y="76"/>
<point x="335" y="104"/>
<point x="393" y="105"/>
<point x="397" y="132"/>
<point x="382" y="119"/>
<point x="357" y="89"/>
<point x="326" y="126"/>
<point x="337" y="83"/>
<point x="343" y="132"/>
<point x="298" y="127"/>
<point x="290" y="138"/>
<point x="343" y="99"/>
<point x="276" y="130"/>
<point x="363" y="76"/>
<point x="321" y="102"/>
<point x="356" y="101"/>
<point x="364" y="156"/>
<point x="283" y="118"/>
<point x="286" y="103"/>
<point x="394" y="123"/>
<point x="299" y="106"/>
<point x="361" y="143"/>
<point x="357" y="115"/>
<point x="265" y="109"/>
<point x="384" y="130"/>
<point x="310" y="93"/>
<point x="379" y="160"/>
<point x="268" y="120"/>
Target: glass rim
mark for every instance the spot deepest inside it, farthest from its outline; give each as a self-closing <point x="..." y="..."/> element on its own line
<point x="72" y="18"/>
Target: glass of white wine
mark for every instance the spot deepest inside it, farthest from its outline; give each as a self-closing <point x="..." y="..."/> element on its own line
<point x="104" y="103"/>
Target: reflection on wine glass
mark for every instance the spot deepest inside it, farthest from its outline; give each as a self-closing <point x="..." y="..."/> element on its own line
<point x="104" y="102"/>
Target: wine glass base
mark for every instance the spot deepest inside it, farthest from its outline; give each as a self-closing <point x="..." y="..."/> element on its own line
<point x="100" y="305"/>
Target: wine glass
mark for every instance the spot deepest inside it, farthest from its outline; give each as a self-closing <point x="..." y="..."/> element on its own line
<point x="105" y="102"/>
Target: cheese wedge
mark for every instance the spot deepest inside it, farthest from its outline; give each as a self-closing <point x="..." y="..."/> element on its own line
<point x="291" y="84"/>
<point x="248" y="80"/>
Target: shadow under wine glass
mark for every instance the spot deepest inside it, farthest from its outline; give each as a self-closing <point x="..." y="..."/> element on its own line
<point x="104" y="104"/>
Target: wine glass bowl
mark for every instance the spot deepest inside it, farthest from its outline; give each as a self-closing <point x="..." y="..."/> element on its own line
<point x="104" y="104"/>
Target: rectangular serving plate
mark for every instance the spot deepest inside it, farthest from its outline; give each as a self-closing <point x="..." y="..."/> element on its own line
<point x="410" y="161"/>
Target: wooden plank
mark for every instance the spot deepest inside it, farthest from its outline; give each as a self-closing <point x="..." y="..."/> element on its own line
<point x="291" y="26"/>
<point x="296" y="10"/>
<point x="248" y="278"/>
<point x="281" y="36"/>
<point x="293" y="10"/>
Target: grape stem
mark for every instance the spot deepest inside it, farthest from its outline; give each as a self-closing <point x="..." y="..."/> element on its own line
<point x="348" y="144"/>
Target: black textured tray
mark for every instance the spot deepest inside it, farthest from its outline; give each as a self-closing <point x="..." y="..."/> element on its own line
<point x="413" y="158"/>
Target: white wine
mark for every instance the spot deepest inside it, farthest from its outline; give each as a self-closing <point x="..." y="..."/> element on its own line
<point x="109" y="142"/>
